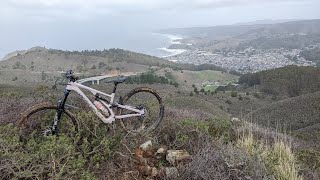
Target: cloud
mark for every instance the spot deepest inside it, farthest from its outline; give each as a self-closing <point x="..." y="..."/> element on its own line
<point x="84" y="9"/>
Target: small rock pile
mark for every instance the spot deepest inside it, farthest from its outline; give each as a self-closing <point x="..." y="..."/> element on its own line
<point x="159" y="162"/>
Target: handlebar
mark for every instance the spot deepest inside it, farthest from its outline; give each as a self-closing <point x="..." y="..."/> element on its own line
<point x="70" y="76"/>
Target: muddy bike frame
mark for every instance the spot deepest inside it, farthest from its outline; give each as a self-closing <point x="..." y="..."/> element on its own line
<point x="74" y="86"/>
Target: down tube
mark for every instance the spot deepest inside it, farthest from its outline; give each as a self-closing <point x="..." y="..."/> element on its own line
<point x="105" y="120"/>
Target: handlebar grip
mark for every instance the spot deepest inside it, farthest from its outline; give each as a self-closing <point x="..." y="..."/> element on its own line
<point x="69" y="73"/>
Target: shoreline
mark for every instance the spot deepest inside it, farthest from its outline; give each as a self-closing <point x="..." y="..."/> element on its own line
<point x="173" y="39"/>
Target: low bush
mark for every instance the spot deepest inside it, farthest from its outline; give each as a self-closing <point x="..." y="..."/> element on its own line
<point x="223" y="129"/>
<point x="310" y="158"/>
<point x="56" y="157"/>
<point x="234" y="94"/>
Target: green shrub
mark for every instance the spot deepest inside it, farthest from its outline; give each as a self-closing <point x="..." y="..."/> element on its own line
<point x="222" y="128"/>
<point x="202" y="126"/>
<point x="52" y="158"/>
<point x="56" y="157"/>
<point x="310" y="158"/>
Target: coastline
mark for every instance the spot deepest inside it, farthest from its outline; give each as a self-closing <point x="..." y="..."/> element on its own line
<point x="173" y="39"/>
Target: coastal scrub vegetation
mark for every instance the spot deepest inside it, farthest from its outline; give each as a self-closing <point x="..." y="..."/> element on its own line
<point x="289" y="80"/>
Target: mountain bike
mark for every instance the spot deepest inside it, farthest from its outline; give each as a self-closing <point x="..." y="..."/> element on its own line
<point x="141" y="110"/>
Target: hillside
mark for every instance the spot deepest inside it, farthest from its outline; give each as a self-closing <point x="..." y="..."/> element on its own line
<point x="300" y="115"/>
<point x="249" y="32"/>
<point x="38" y="64"/>
<point x="251" y="48"/>
<point x="287" y="81"/>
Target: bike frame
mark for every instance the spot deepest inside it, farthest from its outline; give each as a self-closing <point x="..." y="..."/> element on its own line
<point x="74" y="86"/>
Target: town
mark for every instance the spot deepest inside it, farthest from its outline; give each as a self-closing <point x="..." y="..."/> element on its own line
<point x="246" y="61"/>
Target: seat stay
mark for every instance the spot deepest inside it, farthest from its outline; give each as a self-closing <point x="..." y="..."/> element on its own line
<point x="131" y="108"/>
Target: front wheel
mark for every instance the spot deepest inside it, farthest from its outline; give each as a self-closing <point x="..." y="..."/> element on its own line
<point x="148" y="100"/>
<point x="37" y="121"/>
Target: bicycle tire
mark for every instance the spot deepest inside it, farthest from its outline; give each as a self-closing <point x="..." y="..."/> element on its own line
<point x="27" y="117"/>
<point x="156" y="120"/>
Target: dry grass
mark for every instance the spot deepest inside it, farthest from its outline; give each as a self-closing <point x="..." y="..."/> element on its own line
<point x="277" y="157"/>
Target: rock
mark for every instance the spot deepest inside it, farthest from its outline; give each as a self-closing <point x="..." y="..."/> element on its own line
<point x="145" y="170"/>
<point x="234" y="119"/>
<point x="146" y="146"/>
<point x="174" y="156"/>
<point x="138" y="152"/>
<point x="162" y="150"/>
<point x="154" y="172"/>
<point x="141" y="161"/>
<point x="148" y="153"/>
<point x="171" y="172"/>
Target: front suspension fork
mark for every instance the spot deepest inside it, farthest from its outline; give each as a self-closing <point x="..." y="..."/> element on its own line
<point x="60" y="109"/>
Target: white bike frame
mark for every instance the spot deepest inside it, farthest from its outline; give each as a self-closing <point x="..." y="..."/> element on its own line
<point x="74" y="86"/>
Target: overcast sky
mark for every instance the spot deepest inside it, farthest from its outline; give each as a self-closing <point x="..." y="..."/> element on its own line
<point x="61" y="23"/>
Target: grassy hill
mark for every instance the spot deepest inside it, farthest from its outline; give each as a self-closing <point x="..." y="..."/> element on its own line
<point x="41" y="64"/>
<point x="287" y="81"/>
<point x="299" y="114"/>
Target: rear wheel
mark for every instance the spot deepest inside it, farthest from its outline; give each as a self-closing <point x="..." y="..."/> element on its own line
<point x="37" y="121"/>
<point x="145" y="99"/>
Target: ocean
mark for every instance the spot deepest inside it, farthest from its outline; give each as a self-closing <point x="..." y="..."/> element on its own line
<point x="149" y="43"/>
<point x="154" y="44"/>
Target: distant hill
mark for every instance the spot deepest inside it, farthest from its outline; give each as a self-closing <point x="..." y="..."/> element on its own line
<point x="299" y="114"/>
<point x="287" y="81"/>
<point x="289" y="35"/>
<point x="21" y="52"/>
<point x="39" y="63"/>
<point x="267" y="21"/>
<point x="232" y="31"/>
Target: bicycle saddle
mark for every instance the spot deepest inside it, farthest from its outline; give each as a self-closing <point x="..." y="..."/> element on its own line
<point x="120" y="79"/>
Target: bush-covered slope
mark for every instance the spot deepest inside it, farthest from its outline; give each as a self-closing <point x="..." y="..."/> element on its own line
<point x="300" y="114"/>
<point x="289" y="80"/>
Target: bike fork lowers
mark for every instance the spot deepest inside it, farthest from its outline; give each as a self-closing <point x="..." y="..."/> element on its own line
<point x="60" y="109"/>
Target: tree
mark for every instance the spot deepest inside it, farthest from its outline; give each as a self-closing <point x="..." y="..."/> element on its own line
<point x="196" y="90"/>
<point x="101" y="65"/>
<point x="93" y="67"/>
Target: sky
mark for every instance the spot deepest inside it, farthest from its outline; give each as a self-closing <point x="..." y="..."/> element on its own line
<point x="98" y="24"/>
